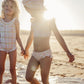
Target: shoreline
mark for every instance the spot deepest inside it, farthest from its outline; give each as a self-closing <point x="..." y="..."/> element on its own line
<point x="63" y="32"/>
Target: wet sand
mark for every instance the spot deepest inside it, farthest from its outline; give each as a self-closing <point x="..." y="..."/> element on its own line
<point x="61" y="72"/>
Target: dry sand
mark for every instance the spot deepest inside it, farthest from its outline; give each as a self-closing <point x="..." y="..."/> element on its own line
<point x="61" y="72"/>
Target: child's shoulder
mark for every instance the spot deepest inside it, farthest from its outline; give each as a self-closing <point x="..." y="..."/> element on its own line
<point x="16" y="20"/>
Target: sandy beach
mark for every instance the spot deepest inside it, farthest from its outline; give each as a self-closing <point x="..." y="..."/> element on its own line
<point x="61" y="72"/>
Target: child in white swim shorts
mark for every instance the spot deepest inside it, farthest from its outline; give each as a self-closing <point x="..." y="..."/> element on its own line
<point x="40" y="35"/>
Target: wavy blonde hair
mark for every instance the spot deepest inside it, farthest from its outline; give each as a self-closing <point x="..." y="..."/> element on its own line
<point x="14" y="3"/>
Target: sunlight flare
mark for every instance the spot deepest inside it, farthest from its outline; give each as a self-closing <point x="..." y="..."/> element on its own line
<point x="48" y="15"/>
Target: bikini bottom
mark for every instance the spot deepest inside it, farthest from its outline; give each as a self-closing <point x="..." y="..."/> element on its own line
<point x="40" y="55"/>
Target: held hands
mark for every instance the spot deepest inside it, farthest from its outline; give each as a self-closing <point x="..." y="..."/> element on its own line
<point x="70" y="56"/>
<point x="25" y="53"/>
<point x="22" y="51"/>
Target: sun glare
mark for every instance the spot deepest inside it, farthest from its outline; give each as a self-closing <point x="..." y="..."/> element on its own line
<point x="48" y="15"/>
<point x="60" y="12"/>
<point x="51" y="8"/>
<point x="56" y="9"/>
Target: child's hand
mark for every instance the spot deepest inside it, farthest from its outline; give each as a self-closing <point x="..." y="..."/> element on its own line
<point x="71" y="57"/>
<point x="22" y="52"/>
<point x="26" y="54"/>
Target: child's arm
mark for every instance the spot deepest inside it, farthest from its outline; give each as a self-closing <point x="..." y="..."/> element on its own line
<point x="29" y="42"/>
<point x="17" y="35"/>
<point x="61" y="40"/>
<point x="25" y="4"/>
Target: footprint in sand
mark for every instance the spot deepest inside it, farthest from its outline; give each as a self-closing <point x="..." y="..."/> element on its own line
<point x="78" y="49"/>
<point x="55" y="52"/>
<point x="58" y="64"/>
<point x="73" y="75"/>
<point x="63" y="75"/>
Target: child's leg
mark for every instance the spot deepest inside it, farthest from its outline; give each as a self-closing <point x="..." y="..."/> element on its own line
<point x="12" y="57"/>
<point x="2" y="63"/>
<point x="31" y="69"/>
<point x="45" y="64"/>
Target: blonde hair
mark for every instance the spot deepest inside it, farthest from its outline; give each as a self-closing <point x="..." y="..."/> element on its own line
<point x="14" y="2"/>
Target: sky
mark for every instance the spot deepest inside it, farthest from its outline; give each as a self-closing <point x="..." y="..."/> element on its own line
<point x="69" y="14"/>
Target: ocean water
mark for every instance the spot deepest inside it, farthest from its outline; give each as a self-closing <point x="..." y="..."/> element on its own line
<point x="21" y="70"/>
